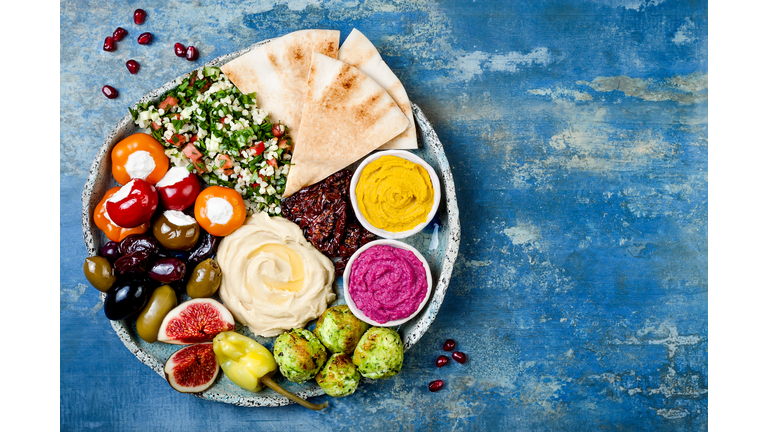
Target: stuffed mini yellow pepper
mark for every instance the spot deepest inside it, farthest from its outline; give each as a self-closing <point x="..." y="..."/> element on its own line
<point x="250" y="365"/>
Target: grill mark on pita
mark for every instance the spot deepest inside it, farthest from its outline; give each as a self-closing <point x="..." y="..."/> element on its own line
<point x="367" y="110"/>
<point x="348" y="84"/>
<point x="330" y="49"/>
<point x="272" y="59"/>
<point x="297" y="54"/>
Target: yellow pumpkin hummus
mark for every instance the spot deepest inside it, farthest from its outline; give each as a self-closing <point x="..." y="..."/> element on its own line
<point x="395" y="194"/>
<point x="272" y="278"/>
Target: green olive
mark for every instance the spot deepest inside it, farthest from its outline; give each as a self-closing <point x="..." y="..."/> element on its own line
<point x="98" y="271"/>
<point x="205" y="280"/>
<point x="175" y="237"/>
<point x="161" y="302"/>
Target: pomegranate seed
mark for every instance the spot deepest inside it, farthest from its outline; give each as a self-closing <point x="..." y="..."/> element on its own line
<point x="278" y="130"/>
<point x="109" y="91"/>
<point x="145" y="38"/>
<point x="109" y="44"/>
<point x="119" y="34"/>
<point x="459" y="357"/>
<point x="133" y="66"/>
<point x="192" y="53"/>
<point x="179" y="49"/>
<point x="449" y="345"/>
<point x="441" y="361"/>
<point x="139" y="16"/>
<point x="435" y="385"/>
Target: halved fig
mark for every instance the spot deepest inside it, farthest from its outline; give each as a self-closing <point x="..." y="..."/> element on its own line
<point x="192" y="369"/>
<point x="195" y="321"/>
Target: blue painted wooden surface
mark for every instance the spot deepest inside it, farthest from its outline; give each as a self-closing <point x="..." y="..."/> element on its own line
<point x="577" y="134"/>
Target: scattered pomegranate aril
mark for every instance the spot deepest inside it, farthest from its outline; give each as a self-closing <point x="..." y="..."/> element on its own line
<point x="192" y="53"/>
<point x="460" y="357"/>
<point x="441" y="361"/>
<point x="133" y="66"/>
<point x="139" y="15"/>
<point x="109" y="44"/>
<point x="180" y="50"/>
<point x="119" y="34"/>
<point x="435" y="385"/>
<point x="109" y="91"/>
<point x="145" y="38"/>
<point x="449" y="345"/>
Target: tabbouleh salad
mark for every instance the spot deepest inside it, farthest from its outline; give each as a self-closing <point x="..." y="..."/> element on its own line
<point x="208" y="126"/>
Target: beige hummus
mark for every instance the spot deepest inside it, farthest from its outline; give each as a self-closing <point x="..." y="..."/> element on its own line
<point x="272" y="278"/>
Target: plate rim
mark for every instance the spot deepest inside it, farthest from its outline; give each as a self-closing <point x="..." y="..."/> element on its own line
<point x="422" y="325"/>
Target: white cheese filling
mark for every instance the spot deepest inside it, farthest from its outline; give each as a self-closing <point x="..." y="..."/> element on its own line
<point x="173" y="176"/>
<point x="140" y="164"/>
<point x="179" y="218"/>
<point x="122" y="193"/>
<point x="219" y="210"/>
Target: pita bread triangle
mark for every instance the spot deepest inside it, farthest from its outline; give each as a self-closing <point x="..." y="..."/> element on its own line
<point x="359" y="52"/>
<point x="346" y="116"/>
<point x="277" y="72"/>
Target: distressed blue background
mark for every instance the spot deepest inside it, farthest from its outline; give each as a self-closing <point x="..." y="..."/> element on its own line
<point x="577" y="135"/>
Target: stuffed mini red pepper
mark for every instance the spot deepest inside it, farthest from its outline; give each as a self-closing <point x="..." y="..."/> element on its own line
<point x="178" y="189"/>
<point x="133" y="205"/>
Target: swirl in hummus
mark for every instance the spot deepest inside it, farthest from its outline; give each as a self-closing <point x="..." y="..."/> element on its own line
<point x="272" y="278"/>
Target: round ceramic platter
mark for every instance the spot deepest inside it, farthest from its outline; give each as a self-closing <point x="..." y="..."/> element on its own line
<point x="439" y="251"/>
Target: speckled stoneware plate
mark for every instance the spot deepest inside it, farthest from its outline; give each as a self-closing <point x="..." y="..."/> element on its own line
<point x="441" y="257"/>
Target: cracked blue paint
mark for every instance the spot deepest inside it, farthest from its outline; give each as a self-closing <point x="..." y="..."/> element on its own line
<point x="577" y="135"/>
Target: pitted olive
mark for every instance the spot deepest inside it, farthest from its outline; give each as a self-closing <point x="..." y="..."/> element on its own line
<point x="98" y="271"/>
<point x="161" y="302"/>
<point x="205" y="280"/>
<point x="176" y="231"/>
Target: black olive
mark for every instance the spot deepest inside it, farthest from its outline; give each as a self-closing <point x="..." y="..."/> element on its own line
<point x="127" y="297"/>
<point x="110" y="251"/>
<point x="167" y="270"/>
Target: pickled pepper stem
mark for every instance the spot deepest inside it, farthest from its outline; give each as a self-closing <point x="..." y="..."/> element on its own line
<point x="267" y="381"/>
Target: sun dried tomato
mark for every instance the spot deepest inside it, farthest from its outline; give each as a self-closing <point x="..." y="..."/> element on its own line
<point x="325" y="215"/>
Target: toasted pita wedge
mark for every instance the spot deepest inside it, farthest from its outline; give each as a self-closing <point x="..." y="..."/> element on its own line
<point x="359" y="52"/>
<point x="346" y="116"/>
<point x="277" y="72"/>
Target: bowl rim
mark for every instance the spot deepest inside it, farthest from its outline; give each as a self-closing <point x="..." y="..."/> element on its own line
<point x="397" y="244"/>
<point x="409" y="156"/>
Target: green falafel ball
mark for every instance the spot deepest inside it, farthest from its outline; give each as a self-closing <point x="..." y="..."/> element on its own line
<point x="338" y="377"/>
<point x="339" y="330"/>
<point x="379" y="354"/>
<point x="299" y="354"/>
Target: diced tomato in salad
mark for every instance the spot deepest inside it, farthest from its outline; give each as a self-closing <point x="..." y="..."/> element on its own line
<point x="258" y="148"/>
<point x="225" y="167"/>
<point x="272" y="163"/>
<point x="192" y="153"/>
<point x="170" y="101"/>
<point x="155" y="126"/>
<point x="177" y="140"/>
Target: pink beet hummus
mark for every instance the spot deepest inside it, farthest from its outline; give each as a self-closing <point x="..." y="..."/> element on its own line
<point x="387" y="283"/>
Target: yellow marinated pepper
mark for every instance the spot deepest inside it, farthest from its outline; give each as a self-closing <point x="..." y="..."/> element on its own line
<point x="250" y="365"/>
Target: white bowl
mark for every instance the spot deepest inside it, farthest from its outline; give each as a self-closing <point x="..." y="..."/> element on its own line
<point x="351" y="303"/>
<point x="407" y="156"/>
